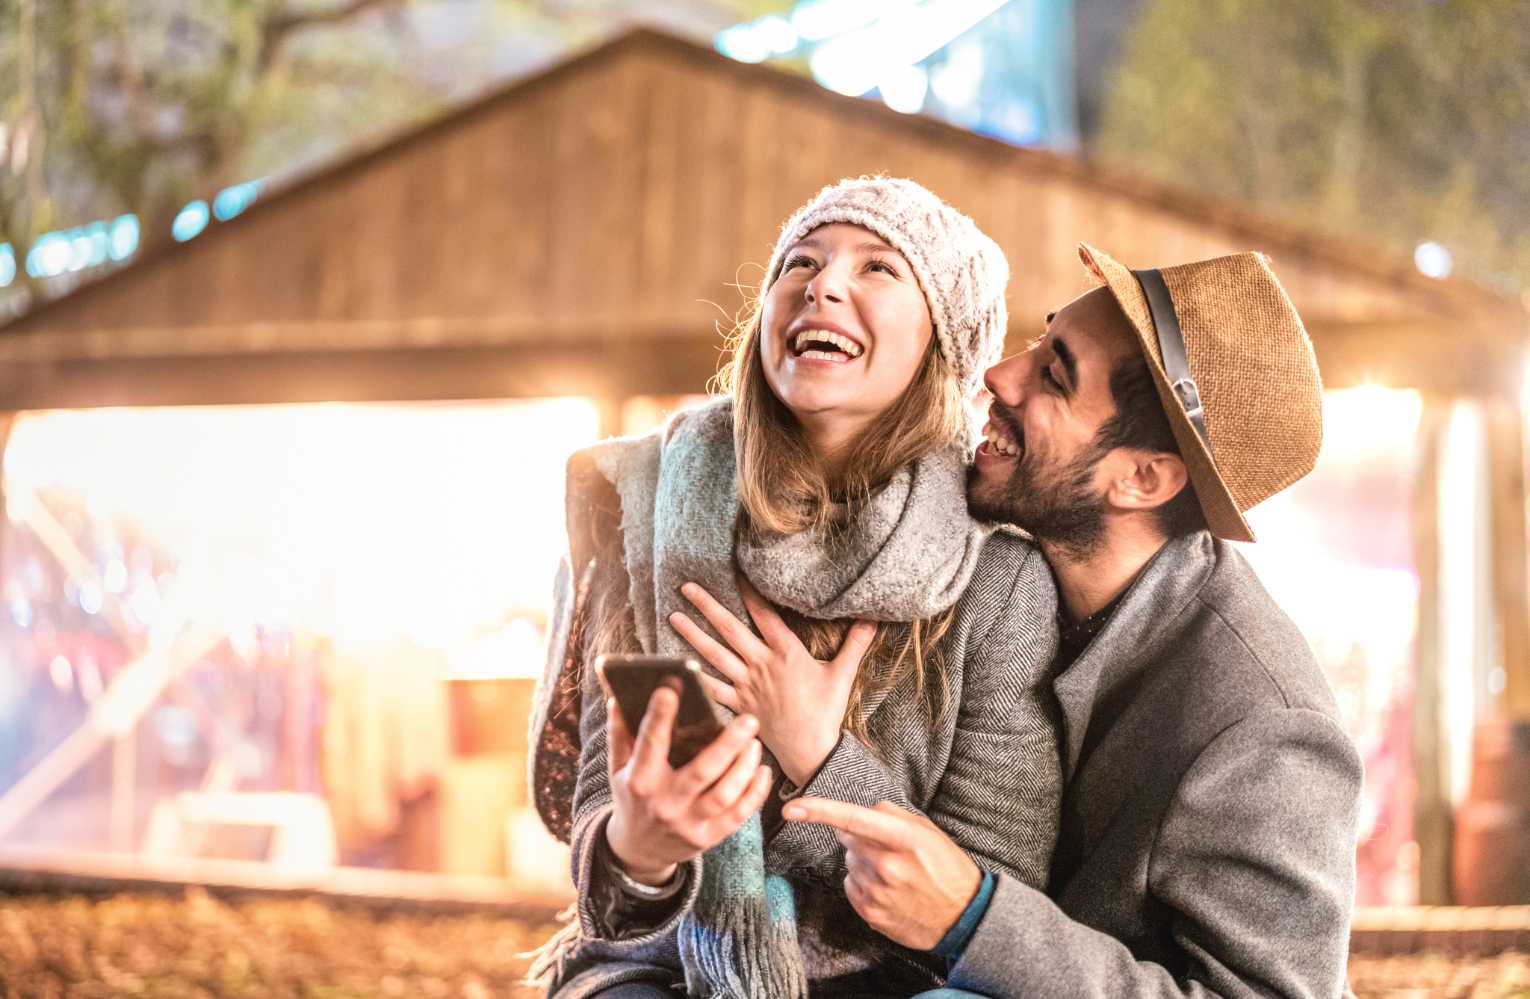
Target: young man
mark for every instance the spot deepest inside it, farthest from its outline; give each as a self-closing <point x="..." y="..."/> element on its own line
<point x="1208" y="828"/>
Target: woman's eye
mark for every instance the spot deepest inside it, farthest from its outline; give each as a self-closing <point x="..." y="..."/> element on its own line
<point x="797" y="261"/>
<point x="883" y="266"/>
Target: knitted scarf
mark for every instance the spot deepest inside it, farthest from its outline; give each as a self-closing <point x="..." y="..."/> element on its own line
<point x="908" y="555"/>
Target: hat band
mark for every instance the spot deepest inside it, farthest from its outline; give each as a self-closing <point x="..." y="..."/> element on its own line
<point x="1171" y="346"/>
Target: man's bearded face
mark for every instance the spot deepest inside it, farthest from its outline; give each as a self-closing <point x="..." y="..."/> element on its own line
<point x="1052" y="498"/>
<point x="1039" y="467"/>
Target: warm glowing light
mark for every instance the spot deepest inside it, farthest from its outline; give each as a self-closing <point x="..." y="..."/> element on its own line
<point x="1354" y="418"/>
<point x="1465" y="611"/>
<point x="61" y="673"/>
<point x="435" y="523"/>
<point x="1433" y="260"/>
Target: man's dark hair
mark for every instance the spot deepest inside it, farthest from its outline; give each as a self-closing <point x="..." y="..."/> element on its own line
<point x="1140" y="424"/>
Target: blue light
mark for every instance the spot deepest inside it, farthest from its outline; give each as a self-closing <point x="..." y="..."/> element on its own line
<point x="87" y="246"/>
<point x="815" y="20"/>
<point x="743" y="43"/>
<point x="998" y="67"/>
<point x="49" y="256"/>
<point x="124" y="237"/>
<point x="191" y="221"/>
<point x="231" y="201"/>
<point x="777" y="33"/>
<point x="7" y="264"/>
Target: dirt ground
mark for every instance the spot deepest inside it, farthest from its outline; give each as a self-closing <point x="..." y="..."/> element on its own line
<point x="198" y="947"/>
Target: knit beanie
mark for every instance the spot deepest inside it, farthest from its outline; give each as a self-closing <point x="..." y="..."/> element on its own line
<point x="961" y="271"/>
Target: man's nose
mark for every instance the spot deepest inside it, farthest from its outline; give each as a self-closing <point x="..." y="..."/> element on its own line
<point x="1005" y="381"/>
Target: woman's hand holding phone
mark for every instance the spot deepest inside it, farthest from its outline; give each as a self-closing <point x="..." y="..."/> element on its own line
<point x="662" y="816"/>
<point x="800" y="701"/>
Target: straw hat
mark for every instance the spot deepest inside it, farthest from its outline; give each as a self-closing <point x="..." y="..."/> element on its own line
<point x="1234" y="370"/>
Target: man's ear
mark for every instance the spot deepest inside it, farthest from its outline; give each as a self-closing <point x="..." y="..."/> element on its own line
<point x="1145" y="480"/>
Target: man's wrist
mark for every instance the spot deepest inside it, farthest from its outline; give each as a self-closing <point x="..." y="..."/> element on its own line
<point x="955" y="941"/>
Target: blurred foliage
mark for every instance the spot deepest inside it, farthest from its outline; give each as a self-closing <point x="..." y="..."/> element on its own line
<point x="1391" y="121"/>
<point x="112" y="106"/>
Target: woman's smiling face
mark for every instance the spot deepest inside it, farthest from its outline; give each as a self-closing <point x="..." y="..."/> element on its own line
<point x="843" y="330"/>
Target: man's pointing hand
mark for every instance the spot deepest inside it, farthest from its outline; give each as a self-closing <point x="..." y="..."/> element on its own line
<point x="907" y="879"/>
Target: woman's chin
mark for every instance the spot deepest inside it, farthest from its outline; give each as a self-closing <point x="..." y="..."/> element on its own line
<point x="818" y="407"/>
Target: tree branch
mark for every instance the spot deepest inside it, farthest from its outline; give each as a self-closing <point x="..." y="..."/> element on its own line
<point x="279" y="27"/>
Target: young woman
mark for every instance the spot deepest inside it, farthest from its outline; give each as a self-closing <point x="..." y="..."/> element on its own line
<point x="900" y="646"/>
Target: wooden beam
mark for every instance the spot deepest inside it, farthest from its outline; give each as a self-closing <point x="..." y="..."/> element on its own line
<point x="1440" y="356"/>
<point x="1511" y="596"/>
<point x="603" y="370"/>
<point x="1431" y="805"/>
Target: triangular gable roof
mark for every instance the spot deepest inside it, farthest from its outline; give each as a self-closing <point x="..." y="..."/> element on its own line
<point x="570" y="232"/>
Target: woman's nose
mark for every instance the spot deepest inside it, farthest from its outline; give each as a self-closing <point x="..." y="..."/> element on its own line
<point x="827" y="285"/>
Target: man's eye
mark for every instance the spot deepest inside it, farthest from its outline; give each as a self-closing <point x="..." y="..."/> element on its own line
<point x="1046" y="376"/>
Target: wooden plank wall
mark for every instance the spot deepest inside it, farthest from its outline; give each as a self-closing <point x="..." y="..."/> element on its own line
<point x="625" y="198"/>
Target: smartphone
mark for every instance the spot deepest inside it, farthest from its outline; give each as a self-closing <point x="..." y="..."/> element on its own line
<point x="632" y="679"/>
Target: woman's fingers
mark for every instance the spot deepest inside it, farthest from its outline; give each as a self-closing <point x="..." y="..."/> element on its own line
<point x="750" y="802"/>
<point x="618" y="735"/>
<point x="722" y="693"/>
<point x="772" y="628"/>
<point x="857" y="641"/>
<point x="709" y="764"/>
<point x="734" y="782"/>
<point x="710" y="648"/>
<point x="733" y="631"/>
<point x="651" y="750"/>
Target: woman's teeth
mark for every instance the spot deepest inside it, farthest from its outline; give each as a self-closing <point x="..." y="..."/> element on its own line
<point x="1000" y="443"/>
<point x="850" y="348"/>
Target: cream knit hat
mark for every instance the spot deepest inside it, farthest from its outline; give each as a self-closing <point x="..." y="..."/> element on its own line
<point x="960" y="270"/>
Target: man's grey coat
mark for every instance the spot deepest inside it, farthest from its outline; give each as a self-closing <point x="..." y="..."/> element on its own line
<point x="1208" y="828"/>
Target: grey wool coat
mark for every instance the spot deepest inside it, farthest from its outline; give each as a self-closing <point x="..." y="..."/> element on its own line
<point x="1208" y="827"/>
<point x="987" y="772"/>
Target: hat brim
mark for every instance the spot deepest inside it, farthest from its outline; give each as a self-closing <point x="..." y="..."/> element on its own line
<point x="1223" y="517"/>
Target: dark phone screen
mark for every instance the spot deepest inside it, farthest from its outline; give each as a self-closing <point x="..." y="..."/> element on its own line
<point x="632" y="681"/>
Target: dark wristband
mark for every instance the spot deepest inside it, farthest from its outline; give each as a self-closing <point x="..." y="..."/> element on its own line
<point x="955" y="941"/>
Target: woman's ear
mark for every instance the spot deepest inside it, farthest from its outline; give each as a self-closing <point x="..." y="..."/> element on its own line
<point x="1146" y="480"/>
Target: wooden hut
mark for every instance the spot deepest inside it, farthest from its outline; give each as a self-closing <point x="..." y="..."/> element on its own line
<point x="583" y="233"/>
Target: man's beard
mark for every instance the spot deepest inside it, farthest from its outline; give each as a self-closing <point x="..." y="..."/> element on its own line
<point x="1062" y="509"/>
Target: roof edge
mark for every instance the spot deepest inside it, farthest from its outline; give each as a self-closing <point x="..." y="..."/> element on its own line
<point x="1264" y="231"/>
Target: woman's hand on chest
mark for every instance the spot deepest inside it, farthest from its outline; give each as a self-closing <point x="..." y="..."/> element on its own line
<point x="799" y="700"/>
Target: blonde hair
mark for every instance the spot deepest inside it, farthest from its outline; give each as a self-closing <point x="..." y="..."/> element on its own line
<point x="784" y="490"/>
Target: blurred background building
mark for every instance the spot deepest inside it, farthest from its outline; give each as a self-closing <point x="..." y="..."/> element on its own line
<point x="308" y="303"/>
